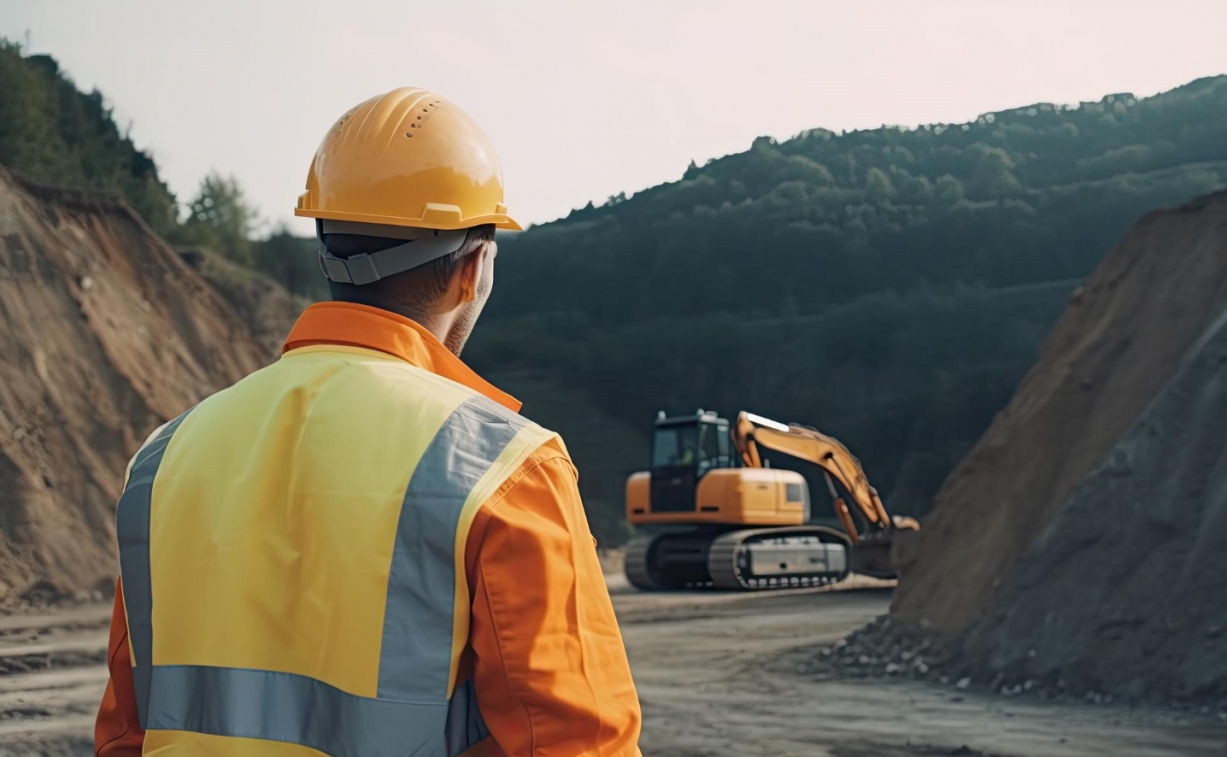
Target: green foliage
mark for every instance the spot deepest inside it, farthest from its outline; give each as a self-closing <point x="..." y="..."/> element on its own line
<point x="908" y="380"/>
<point x="995" y="172"/>
<point x="221" y="218"/>
<point x="948" y="191"/>
<point x="54" y="134"/>
<point x="292" y="262"/>
<point x="878" y="189"/>
<point x="890" y="286"/>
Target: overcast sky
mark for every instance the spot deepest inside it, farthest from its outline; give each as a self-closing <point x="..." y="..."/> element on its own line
<point x="586" y="99"/>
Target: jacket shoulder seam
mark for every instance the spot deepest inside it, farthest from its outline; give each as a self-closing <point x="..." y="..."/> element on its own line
<point x="535" y="461"/>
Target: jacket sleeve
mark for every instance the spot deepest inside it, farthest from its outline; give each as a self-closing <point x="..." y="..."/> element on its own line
<point x="117" y="732"/>
<point x="549" y="664"/>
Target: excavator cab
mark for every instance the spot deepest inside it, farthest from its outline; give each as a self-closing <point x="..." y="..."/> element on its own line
<point x="684" y="449"/>
<point x="697" y="477"/>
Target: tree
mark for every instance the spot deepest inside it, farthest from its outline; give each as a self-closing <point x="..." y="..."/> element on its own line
<point x="220" y="217"/>
<point x="810" y="172"/>
<point x="948" y="190"/>
<point x="915" y="190"/>
<point x="878" y="189"/>
<point x="995" y="173"/>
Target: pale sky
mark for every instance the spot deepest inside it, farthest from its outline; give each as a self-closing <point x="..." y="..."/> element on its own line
<point x="586" y="99"/>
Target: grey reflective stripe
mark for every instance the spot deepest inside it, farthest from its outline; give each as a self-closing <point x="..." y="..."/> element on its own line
<point x="416" y="650"/>
<point x="262" y="704"/>
<point x="132" y="533"/>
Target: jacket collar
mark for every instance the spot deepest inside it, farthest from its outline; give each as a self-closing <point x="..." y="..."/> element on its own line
<point x="362" y="326"/>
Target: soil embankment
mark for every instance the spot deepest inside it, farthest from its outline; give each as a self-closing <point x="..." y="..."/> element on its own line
<point x="104" y="334"/>
<point x="1122" y="593"/>
<point x="1120" y="341"/>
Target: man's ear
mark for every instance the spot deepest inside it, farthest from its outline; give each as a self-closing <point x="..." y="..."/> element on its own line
<point x="470" y="274"/>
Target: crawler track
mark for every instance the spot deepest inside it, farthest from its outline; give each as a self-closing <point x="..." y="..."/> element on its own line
<point x="778" y="558"/>
<point x="744" y="560"/>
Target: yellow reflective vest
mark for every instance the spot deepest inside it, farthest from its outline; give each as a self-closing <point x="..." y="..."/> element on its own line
<point x="292" y="558"/>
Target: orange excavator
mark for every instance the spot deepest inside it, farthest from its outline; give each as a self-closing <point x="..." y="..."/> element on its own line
<point x="737" y="523"/>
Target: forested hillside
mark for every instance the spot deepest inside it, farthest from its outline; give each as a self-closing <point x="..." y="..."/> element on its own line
<point x="889" y="286"/>
<point x="1021" y="196"/>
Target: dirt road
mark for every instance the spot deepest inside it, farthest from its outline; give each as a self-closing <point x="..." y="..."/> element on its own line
<point x="718" y="675"/>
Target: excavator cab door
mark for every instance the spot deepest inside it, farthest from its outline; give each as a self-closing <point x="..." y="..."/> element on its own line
<point x="683" y="450"/>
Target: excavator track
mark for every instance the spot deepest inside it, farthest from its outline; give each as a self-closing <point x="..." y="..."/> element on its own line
<point x="669" y="561"/>
<point x="637" y="568"/>
<point x="744" y="560"/>
<point x="778" y="558"/>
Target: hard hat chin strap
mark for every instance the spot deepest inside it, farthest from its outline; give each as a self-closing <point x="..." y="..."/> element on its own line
<point x="424" y="246"/>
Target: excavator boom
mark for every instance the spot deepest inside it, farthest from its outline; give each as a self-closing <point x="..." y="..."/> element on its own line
<point x="752" y="431"/>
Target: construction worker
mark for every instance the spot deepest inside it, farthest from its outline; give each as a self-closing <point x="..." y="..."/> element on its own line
<point x="362" y="549"/>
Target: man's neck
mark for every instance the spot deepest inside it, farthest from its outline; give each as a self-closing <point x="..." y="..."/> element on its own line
<point x="439" y="324"/>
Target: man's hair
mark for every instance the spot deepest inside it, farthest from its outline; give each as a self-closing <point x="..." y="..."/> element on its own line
<point x="413" y="292"/>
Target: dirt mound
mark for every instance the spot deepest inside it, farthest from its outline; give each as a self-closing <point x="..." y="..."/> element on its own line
<point x="1123" y="592"/>
<point x="1118" y="343"/>
<point x="104" y="333"/>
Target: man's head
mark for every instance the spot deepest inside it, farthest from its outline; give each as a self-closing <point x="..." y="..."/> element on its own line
<point x="445" y="295"/>
<point x="406" y="190"/>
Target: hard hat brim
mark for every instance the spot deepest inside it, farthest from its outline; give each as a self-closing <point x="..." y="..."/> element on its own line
<point x="499" y="220"/>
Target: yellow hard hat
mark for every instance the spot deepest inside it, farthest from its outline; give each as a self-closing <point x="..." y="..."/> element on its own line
<point x="407" y="158"/>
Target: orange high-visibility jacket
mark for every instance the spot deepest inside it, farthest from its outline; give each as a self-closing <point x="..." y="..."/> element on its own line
<point x="361" y="550"/>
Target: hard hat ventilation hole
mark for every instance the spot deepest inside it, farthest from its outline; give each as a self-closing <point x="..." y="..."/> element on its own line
<point x="407" y="134"/>
<point x="420" y="120"/>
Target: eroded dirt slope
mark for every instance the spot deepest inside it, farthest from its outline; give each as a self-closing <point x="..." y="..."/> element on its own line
<point x="266" y="307"/>
<point x="104" y="333"/>
<point x="1118" y="343"/>
<point x="1123" y="592"/>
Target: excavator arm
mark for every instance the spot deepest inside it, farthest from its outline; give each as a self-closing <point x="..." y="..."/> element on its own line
<point x="752" y="431"/>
